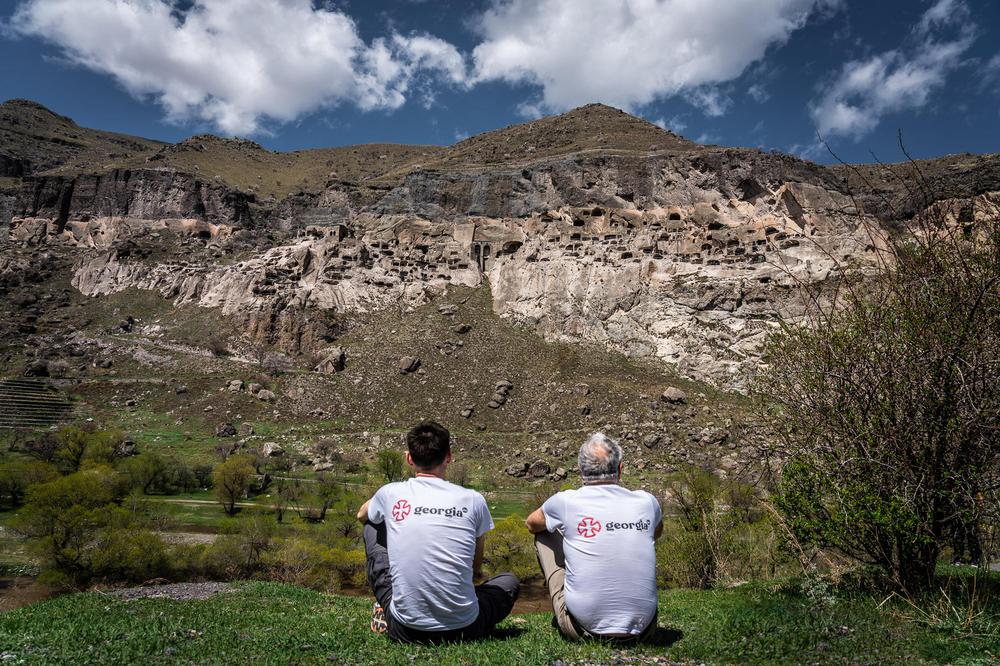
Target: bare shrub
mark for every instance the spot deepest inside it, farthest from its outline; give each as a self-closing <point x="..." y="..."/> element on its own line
<point x="458" y="473"/>
<point x="884" y="409"/>
<point x="716" y="533"/>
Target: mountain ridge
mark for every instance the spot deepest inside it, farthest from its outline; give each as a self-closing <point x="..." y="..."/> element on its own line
<point x="37" y="141"/>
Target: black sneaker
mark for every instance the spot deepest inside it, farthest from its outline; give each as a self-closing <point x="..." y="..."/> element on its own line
<point x="378" y="625"/>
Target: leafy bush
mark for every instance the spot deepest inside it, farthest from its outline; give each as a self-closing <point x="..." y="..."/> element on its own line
<point x="510" y="547"/>
<point x="78" y="445"/>
<point x="241" y="551"/>
<point x="685" y="559"/>
<point x="81" y="531"/>
<point x="129" y="553"/>
<point x="350" y="565"/>
<point x="155" y="474"/>
<point x="223" y="559"/>
<point x="311" y="564"/>
<point x="302" y="562"/>
<point x="19" y="475"/>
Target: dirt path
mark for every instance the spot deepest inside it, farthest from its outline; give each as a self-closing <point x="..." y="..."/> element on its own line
<point x="21" y="591"/>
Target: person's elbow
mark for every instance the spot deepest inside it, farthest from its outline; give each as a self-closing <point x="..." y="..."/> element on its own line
<point x="535" y="522"/>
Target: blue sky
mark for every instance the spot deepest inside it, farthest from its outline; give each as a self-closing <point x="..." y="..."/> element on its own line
<point x="295" y="74"/>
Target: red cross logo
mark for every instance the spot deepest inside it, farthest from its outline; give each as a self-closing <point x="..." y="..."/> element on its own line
<point x="400" y="510"/>
<point x="588" y="527"/>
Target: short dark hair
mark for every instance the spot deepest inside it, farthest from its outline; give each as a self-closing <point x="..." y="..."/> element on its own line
<point x="429" y="444"/>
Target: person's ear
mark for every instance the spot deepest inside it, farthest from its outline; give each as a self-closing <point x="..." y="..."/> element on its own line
<point x="409" y="459"/>
<point x="620" y="470"/>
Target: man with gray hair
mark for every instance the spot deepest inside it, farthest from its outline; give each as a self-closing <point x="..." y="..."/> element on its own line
<point x="595" y="547"/>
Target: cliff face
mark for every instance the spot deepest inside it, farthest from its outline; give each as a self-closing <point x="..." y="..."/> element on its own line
<point x="663" y="256"/>
<point x="683" y="253"/>
<point x="146" y="194"/>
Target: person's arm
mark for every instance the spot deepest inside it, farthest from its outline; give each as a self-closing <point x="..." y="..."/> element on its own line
<point x="477" y="560"/>
<point x="363" y="512"/>
<point x="536" y="521"/>
<point x="658" y="513"/>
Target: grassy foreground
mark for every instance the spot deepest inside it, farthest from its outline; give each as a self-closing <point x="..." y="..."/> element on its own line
<point x="269" y="623"/>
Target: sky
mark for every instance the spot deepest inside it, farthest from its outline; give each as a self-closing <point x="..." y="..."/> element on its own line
<point x="805" y="77"/>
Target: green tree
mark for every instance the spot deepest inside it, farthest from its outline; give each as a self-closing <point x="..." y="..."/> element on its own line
<point x="144" y="471"/>
<point x="80" y="445"/>
<point x="19" y="475"/>
<point x="231" y="480"/>
<point x="389" y="465"/>
<point x="285" y="493"/>
<point x="152" y="473"/>
<point x="315" y="499"/>
<point x="72" y="446"/>
<point x="63" y="515"/>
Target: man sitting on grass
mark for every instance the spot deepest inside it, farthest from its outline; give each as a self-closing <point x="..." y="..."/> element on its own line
<point x="595" y="547"/>
<point x="424" y="541"/>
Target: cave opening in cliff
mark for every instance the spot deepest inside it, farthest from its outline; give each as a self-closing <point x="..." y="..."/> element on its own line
<point x="482" y="256"/>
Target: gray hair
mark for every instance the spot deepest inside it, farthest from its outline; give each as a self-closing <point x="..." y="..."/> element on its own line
<point x="600" y="457"/>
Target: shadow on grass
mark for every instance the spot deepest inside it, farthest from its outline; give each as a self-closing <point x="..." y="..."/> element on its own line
<point x="497" y="634"/>
<point x="504" y="634"/>
<point x="664" y="637"/>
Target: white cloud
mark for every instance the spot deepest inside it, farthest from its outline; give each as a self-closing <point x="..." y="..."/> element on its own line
<point x="712" y="101"/>
<point x="808" y="151"/>
<point x="631" y="52"/>
<point x="675" y="124"/>
<point x="759" y="93"/>
<point x="239" y="63"/>
<point x="991" y="74"/>
<point x="897" y="80"/>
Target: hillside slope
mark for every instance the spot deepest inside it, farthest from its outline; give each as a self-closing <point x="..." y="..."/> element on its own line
<point x="657" y="260"/>
<point x="34" y="139"/>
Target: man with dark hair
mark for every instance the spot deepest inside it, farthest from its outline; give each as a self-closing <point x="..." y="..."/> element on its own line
<point x="424" y="540"/>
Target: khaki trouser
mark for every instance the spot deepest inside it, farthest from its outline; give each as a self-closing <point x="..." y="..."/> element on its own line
<point x="549" y="548"/>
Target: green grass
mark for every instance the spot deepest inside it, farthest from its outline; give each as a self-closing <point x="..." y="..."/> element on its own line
<point x="16" y="557"/>
<point x="269" y="623"/>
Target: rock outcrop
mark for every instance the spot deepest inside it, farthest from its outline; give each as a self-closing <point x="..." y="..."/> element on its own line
<point x="689" y="255"/>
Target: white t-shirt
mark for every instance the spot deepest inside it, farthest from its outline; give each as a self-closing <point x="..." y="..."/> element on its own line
<point x="610" y="559"/>
<point x="431" y="531"/>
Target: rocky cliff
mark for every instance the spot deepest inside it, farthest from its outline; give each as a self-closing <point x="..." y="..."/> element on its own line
<point x="638" y="240"/>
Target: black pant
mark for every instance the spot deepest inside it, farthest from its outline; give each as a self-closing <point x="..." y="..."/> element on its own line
<point x="496" y="597"/>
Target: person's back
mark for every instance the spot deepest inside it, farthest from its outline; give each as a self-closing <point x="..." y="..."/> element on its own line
<point x="431" y="531"/>
<point x="609" y="554"/>
<point x="595" y="547"/>
<point x="424" y="544"/>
